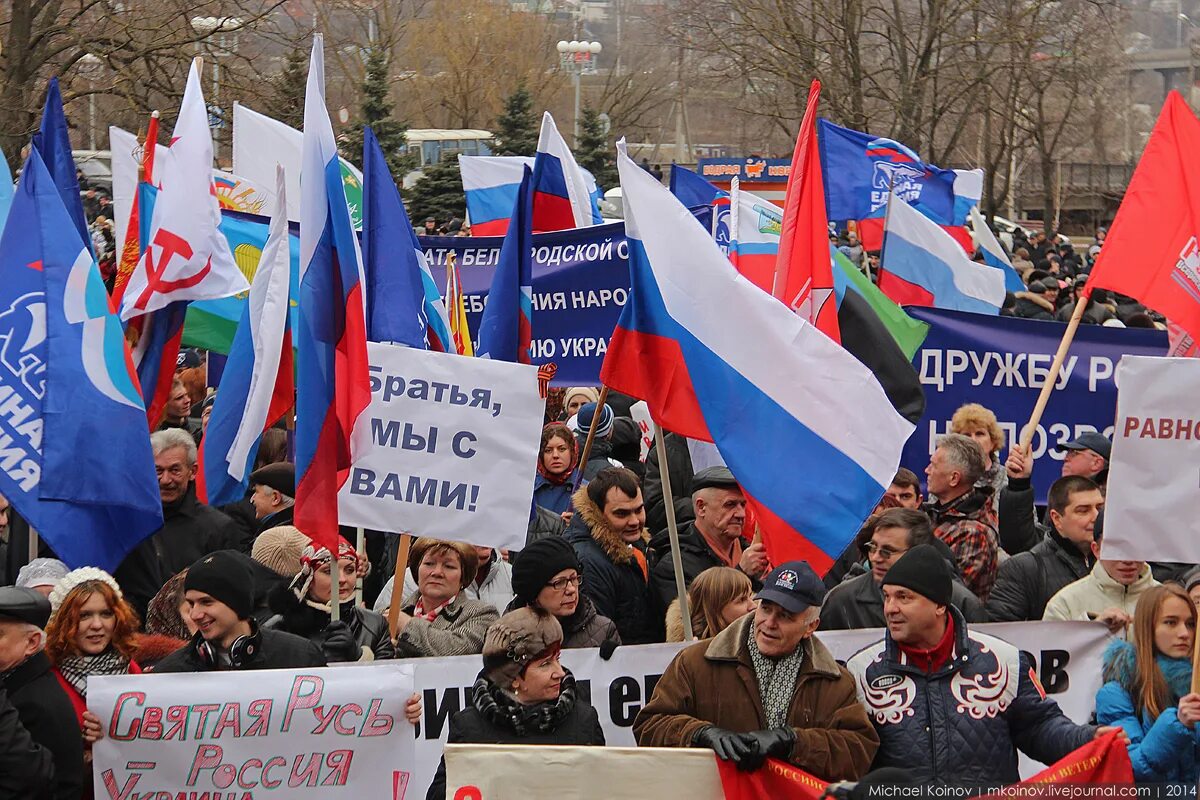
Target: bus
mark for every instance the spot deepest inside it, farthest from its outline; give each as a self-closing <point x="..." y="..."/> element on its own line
<point x="432" y="145"/>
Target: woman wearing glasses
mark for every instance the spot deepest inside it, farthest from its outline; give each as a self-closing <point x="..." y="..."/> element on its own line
<point x="546" y="576"/>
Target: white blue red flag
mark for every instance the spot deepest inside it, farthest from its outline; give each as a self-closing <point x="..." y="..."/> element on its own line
<point x="332" y="379"/>
<point x="770" y="391"/>
<point x="257" y="386"/>
<point x="922" y="265"/>
<point x="561" y="195"/>
<point x="993" y="252"/>
<point x="76" y="460"/>
<point x="506" y="329"/>
<point x="490" y="184"/>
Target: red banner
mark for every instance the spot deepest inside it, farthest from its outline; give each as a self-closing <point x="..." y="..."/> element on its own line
<point x="1102" y="760"/>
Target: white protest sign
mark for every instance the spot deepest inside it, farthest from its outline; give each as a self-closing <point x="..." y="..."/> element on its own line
<point x="639" y="412"/>
<point x="453" y="448"/>
<point x="316" y="733"/>
<point x="518" y="772"/>
<point x="1154" y="473"/>
<point x="1067" y="656"/>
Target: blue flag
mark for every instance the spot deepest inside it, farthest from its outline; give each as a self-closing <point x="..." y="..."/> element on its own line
<point x="75" y="459"/>
<point x="506" y="328"/>
<point x="6" y="190"/>
<point x="691" y="189"/>
<point x="395" y="293"/>
<point x="53" y="143"/>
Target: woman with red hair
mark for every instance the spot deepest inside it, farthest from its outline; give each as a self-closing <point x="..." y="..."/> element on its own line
<point x="92" y="631"/>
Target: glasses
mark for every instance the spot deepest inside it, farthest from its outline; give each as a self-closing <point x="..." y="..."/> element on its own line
<point x="885" y="552"/>
<point x="562" y="583"/>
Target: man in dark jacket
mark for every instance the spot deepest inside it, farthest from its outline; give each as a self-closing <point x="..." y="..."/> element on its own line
<point x="273" y="488"/>
<point x="608" y="533"/>
<point x="25" y="766"/>
<point x="218" y="589"/>
<point x="1027" y="581"/>
<point x="1086" y="455"/>
<point x="857" y="602"/>
<point x="42" y="706"/>
<point x="190" y="528"/>
<point x="912" y="685"/>
<point x="1038" y="302"/>
<point x="714" y="537"/>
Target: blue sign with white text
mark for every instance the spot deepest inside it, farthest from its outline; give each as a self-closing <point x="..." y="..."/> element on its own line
<point x="1001" y="363"/>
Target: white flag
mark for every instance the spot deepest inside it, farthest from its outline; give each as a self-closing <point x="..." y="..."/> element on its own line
<point x="188" y="258"/>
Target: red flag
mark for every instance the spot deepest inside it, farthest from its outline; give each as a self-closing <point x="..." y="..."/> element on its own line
<point x="1152" y="252"/>
<point x="803" y="274"/>
<point x="1102" y="760"/>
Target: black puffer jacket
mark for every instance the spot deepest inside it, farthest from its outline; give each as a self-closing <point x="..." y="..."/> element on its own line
<point x="1019" y="528"/>
<point x="964" y="723"/>
<point x="615" y="577"/>
<point x="47" y="713"/>
<point x="293" y="616"/>
<point x="273" y="650"/>
<point x="25" y="765"/>
<point x="695" y="555"/>
<point x="1027" y="581"/>
<point x="489" y="720"/>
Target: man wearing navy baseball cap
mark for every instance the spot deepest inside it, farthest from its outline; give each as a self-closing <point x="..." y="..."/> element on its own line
<point x="765" y="687"/>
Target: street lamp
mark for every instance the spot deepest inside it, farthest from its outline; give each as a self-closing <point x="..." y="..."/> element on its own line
<point x="578" y="58"/>
<point x="89" y="64"/>
<point x="206" y="26"/>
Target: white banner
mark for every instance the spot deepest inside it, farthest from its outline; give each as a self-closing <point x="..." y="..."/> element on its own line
<point x="1066" y="654"/>
<point x="452" y="448"/>
<point x="1154" y="473"/>
<point x="318" y="733"/>
<point x="515" y="772"/>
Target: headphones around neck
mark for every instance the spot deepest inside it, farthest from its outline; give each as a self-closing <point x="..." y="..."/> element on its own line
<point x="241" y="652"/>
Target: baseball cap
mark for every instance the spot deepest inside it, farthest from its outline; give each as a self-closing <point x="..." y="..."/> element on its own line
<point x="1091" y="440"/>
<point x="793" y="585"/>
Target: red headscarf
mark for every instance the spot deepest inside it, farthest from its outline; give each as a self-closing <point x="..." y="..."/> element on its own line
<point x="557" y="430"/>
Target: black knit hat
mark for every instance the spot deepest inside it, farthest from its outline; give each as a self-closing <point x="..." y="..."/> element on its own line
<point x="538" y="563"/>
<point x="226" y="577"/>
<point x="925" y="571"/>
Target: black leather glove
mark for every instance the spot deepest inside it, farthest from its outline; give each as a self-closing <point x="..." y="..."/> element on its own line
<point x="728" y="746"/>
<point x="339" y="644"/>
<point x="772" y="743"/>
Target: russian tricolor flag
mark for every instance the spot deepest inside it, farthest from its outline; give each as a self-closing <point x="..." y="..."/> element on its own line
<point x="561" y="196"/>
<point x="490" y="184"/>
<point x="922" y="265"/>
<point x="506" y="329"/>
<point x="770" y="391"/>
<point x="257" y="387"/>
<point x="993" y="253"/>
<point x="332" y="379"/>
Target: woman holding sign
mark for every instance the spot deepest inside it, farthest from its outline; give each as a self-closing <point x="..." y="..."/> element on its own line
<point x="440" y="619"/>
<point x="93" y="631"/>
<point x="523" y="695"/>
<point x="302" y="608"/>
<point x="1148" y="690"/>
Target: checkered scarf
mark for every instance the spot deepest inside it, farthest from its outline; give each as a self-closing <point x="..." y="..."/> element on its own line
<point x="776" y="680"/>
<point x="77" y="669"/>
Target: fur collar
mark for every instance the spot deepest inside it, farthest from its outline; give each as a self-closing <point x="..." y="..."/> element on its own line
<point x="732" y="644"/>
<point x="610" y="542"/>
<point x="1120" y="665"/>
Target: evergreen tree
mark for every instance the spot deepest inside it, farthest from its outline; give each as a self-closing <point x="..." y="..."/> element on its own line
<point x="517" y="128"/>
<point x="438" y="193"/>
<point x="286" y="102"/>
<point x="594" y="152"/>
<point x="377" y="112"/>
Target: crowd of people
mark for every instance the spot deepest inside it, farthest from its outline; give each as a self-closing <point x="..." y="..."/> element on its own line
<point x="240" y="588"/>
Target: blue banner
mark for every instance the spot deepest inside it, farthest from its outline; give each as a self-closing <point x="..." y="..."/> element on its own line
<point x="859" y="169"/>
<point x="580" y="284"/>
<point x="1001" y="363"/>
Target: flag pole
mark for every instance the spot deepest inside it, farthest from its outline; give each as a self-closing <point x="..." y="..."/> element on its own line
<point x="1195" y="662"/>
<point x="887" y="215"/>
<point x="587" y="445"/>
<point x="673" y="530"/>
<point x="1040" y="407"/>
<point x="398" y="583"/>
<point x="735" y="191"/>
<point x="360" y="544"/>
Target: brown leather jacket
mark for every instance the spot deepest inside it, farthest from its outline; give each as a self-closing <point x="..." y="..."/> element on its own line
<point x="713" y="683"/>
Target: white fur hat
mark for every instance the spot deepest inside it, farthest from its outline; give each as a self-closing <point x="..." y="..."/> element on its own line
<point x="76" y="577"/>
